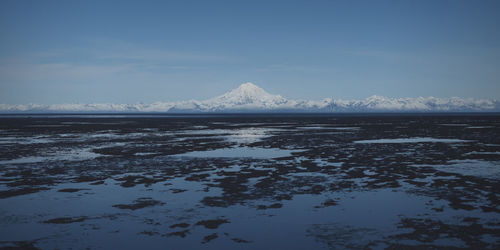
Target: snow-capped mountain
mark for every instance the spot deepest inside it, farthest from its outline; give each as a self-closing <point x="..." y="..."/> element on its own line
<point x="248" y="97"/>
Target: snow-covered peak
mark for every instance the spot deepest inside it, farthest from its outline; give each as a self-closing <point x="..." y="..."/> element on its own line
<point x="247" y="95"/>
<point x="248" y="86"/>
<point x="248" y="92"/>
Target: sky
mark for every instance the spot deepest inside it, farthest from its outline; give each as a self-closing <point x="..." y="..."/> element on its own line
<point x="146" y="51"/>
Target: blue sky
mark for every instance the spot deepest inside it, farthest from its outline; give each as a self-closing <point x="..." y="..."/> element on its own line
<point x="147" y="51"/>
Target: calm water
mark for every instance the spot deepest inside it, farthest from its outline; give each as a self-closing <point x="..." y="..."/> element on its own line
<point x="250" y="181"/>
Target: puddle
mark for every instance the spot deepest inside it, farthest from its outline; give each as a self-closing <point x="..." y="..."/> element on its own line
<point x="488" y="169"/>
<point x="483" y="153"/>
<point x="479" y="127"/>
<point x="413" y="140"/>
<point x="241" y="136"/>
<point x="240" y="152"/>
<point x="144" y="153"/>
<point x="24" y="140"/>
<point x="332" y="128"/>
<point x="205" y="132"/>
<point x="70" y="155"/>
<point x="249" y="135"/>
<point x="454" y="124"/>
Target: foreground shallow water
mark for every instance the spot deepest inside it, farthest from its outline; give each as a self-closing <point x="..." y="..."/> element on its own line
<point x="231" y="182"/>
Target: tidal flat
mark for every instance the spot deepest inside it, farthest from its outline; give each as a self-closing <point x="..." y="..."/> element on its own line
<point x="250" y="181"/>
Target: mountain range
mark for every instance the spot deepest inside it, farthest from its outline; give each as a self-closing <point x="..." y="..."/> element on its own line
<point x="248" y="97"/>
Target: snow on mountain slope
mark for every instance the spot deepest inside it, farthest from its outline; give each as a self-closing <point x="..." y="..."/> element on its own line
<point x="250" y="97"/>
<point x="246" y="96"/>
<point x="419" y="104"/>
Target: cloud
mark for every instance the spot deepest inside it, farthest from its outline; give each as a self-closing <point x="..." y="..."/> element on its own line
<point x="58" y="71"/>
<point x="99" y="62"/>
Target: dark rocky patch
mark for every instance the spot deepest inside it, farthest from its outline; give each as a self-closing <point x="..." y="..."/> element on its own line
<point x="181" y="225"/>
<point x="21" y="191"/>
<point x="211" y="224"/>
<point x="197" y="177"/>
<point x="327" y="203"/>
<point x="88" y="178"/>
<point x="209" y="238"/>
<point x="140" y="203"/>
<point x="149" y="233"/>
<point x="275" y="205"/>
<point x="133" y="180"/>
<point x="181" y="234"/>
<point x="177" y="190"/>
<point x="18" y="245"/>
<point x="238" y="240"/>
<point x="66" y="220"/>
<point x="71" y="190"/>
<point x="428" y="231"/>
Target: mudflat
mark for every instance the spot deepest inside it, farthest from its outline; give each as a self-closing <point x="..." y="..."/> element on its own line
<point x="250" y="181"/>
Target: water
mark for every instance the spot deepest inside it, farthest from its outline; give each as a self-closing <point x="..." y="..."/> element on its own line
<point x="412" y="140"/>
<point x="250" y="181"/>
<point x="240" y="152"/>
<point x="485" y="169"/>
